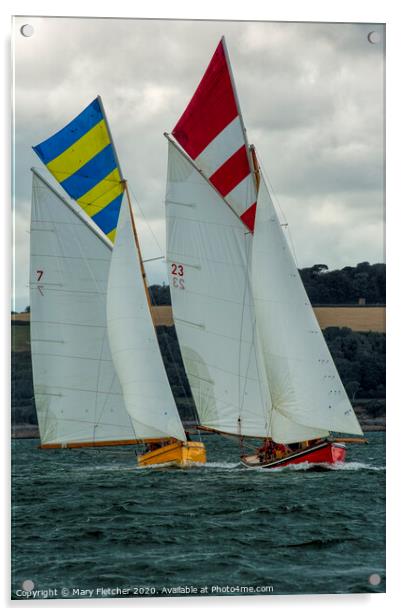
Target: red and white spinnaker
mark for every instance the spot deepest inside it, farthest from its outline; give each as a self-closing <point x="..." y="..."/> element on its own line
<point x="212" y="133"/>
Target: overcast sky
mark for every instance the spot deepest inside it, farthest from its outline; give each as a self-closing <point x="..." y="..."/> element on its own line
<point x="312" y="102"/>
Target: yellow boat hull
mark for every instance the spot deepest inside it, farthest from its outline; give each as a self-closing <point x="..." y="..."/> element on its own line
<point x="175" y="454"/>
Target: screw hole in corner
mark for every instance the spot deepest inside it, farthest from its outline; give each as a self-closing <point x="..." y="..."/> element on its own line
<point x="28" y="585"/>
<point x="374" y="579"/>
<point x="27" y="30"/>
<point x="374" y="37"/>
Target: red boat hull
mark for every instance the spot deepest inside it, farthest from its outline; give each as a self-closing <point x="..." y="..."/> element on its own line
<point x="323" y="453"/>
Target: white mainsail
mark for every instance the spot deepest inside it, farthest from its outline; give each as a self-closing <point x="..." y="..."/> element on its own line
<point x="257" y="362"/>
<point x="208" y="253"/>
<point x="256" y="359"/>
<point x="77" y="393"/>
<point x="147" y="394"/>
<point x="304" y="383"/>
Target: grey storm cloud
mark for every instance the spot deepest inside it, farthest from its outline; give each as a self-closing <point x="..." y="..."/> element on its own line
<point x="312" y="97"/>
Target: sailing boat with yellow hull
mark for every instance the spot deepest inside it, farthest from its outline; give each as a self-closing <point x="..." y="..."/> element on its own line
<point x="254" y="354"/>
<point x="99" y="377"/>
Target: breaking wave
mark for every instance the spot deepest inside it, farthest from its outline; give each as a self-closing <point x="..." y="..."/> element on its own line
<point x="306" y="466"/>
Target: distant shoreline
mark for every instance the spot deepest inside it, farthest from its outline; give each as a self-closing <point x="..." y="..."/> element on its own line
<point x="24" y="431"/>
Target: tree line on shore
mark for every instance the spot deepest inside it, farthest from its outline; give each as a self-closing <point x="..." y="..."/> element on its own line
<point x="341" y="286"/>
<point x="323" y="286"/>
<point x="359" y="357"/>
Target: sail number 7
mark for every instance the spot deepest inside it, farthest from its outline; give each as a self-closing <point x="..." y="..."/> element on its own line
<point x="39" y="274"/>
<point x="177" y="272"/>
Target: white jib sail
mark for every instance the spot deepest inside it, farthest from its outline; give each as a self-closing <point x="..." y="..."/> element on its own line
<point x="304" y="383"/>
<point x="77" y="393"/>
<point x="208" y="251"/>
<point x="147" y="395"/>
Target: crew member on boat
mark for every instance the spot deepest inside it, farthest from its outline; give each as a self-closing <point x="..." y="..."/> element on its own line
<point x="266" y="451"/>
<point x="271" y="450"/>
<point x="152" y="446"/>
<point x="281" y="450"/>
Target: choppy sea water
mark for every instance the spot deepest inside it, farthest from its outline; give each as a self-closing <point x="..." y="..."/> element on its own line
<point x="89" y="520"/>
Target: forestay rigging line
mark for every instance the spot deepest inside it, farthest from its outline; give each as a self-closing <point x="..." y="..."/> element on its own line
<point x="247" y="236"/>
<point x="274" y="197"/>
<point x="129" y="187"/>
<point x="241" y="333"/>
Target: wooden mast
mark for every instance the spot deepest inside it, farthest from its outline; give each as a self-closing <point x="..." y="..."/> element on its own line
<point x="144" y="281"/>
<point x="137" y="245"/>
<point x="256" y="166"/>
<point x="125" y="187"/>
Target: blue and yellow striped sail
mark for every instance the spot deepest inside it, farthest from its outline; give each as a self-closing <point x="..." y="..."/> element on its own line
<point x="81" y="157"/>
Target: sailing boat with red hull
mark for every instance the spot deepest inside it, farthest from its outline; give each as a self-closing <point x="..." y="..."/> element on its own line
<point x="255" y="356"/>
<point x="321" y="452"/>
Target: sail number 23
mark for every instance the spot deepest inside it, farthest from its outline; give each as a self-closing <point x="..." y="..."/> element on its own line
<point x="177" y="271"/>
